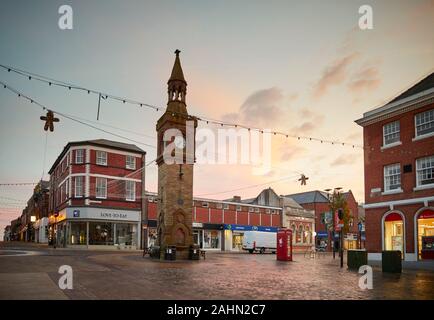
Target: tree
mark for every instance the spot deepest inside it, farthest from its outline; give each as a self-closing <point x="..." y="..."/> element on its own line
<point x="338" y="201"/>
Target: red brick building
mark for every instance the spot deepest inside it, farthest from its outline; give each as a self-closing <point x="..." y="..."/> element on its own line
<point x="221" y="224"/>
<point x="96" y="195"/>
<point x="399" y="174"/>
<point x="318" y="201"/>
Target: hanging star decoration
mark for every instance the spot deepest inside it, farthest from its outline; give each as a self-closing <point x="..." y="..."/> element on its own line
<point x="303" y="179"/>
<point x="49" y="120"/>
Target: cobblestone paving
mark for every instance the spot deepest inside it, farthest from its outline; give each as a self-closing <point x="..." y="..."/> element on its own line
<point x="126" y="275"/>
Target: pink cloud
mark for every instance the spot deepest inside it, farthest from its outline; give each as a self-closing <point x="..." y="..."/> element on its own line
<point x="334" y="74"/>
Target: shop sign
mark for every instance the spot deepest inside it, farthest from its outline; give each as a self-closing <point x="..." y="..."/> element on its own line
<point x="351" y="237"/>
<point x="322" y="234"/>
<point x="197" y="225"/>
<point x="100" y="214"/>
<point x="238" y="227"/>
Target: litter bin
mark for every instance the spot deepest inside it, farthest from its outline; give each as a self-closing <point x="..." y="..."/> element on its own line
<point x="194" y="253"/>
<point x="391" y="261"/>
<point x="154" y="252"/>
<point x="170" y="253"/>
<point x="357" y="258"/>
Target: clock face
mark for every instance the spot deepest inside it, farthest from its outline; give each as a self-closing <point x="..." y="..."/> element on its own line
<point x="179" y="142"/>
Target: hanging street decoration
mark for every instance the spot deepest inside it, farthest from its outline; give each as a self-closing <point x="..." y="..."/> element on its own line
<point x="52" y="82"/>
<point x="49" y="120"/>
<point x="303" y="180"/>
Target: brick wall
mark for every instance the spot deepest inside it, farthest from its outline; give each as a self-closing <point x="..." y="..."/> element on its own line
<point x="407" y="153"/>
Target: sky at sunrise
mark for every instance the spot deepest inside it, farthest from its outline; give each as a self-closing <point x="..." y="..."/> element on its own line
<point x="302" y="67"/>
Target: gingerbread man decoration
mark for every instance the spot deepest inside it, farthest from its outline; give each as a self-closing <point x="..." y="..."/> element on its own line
<point x="303" y="179"/>
<point x="49" y="120"/>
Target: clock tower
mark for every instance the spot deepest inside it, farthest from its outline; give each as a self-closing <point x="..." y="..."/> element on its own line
<point x="175" y="160"/>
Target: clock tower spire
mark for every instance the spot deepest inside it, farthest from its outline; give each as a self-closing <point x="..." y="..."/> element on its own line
<point x="175" y="132"/>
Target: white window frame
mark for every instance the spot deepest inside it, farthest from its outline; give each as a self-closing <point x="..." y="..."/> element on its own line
<point x="392" y="133"/>
<point x="205" y="205"/>
<point x="225" y="206"/>
<point x="101" y="183"/>
<point x="129" y="192"/>
<point x="130" y="164"/>
<point x="267" y="211"/>
<point x="257" y="210"/>
<point x="386" y="176"/>
<point x="219" y="205"/>
<point x="101" y="160"/>
<point x="238" y="208"/>
<point x="79" y="156"/>
<point x="273" y="211"/>
<point x="251" y="209"/>
<point x="76" y="193"/>
<point x="430" y="122"/>
<point x="418" y="163"/>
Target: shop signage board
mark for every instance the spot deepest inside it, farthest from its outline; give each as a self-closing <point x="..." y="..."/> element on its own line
<point x="238" y="227"/>
<point x="102" y="214"/>
<point x="322" y="234"/>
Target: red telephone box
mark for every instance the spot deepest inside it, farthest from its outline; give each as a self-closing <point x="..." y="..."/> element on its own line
<point x="284" y="245"/>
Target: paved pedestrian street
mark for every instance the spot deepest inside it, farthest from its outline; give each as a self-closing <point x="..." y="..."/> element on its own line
<point x="32" y="273"/>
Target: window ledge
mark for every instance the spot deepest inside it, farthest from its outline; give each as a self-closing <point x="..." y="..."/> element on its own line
<point x="394" y="191"/>
<point x="424" y="187"/>
<point x="391" y="145"/>
<point x="423" y="136"/>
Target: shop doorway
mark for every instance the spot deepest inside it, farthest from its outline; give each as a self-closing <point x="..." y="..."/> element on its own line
<point x="394" y="232"/>
<point x="425" y="234"/>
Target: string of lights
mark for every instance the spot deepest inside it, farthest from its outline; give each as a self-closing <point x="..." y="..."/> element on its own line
<point x="67" y="116"/>
<point x="70" y="86"/>
<point x="250" y="186"/>
<point x="19" y="184"/>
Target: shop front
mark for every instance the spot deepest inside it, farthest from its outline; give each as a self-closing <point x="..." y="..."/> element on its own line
<point x="41" y="230"/>
<point x="425" y="234"/>
<point x="351" y="241"/>
<point x="96" y="228"/>
<point x="322" y="240"/>
<point x="208" y="236"/>
<point x="234" y="233"/>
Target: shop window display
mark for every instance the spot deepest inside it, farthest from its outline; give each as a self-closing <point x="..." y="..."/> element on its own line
<point x="126" y="234"/>
<point x="100" y="233"/>
<point x="211" y="239"/>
